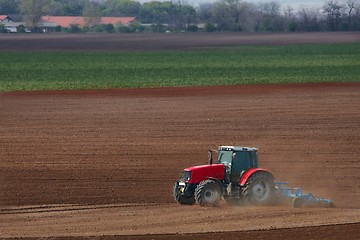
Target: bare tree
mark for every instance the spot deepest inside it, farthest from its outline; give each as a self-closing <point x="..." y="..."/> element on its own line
<point x="220" y="15"/>
<point x="205" y="12"/>
<point x="92" y="15"/>
<point x="351" y="4"/>
<point x="234" y="9"/>
<point x="309" y="19"/>
<point x="289" y="18"/>
<point x="269" y="17"/>
<point x="289" y="12"/>
<point x="334" y="11"/>
<point x="33" y="10"/>
<point x="356" y="15"/>
<point x="248" y="16"/>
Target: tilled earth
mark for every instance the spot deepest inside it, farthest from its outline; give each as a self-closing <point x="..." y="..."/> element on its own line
<point x="156" y="42"/>
<point x="103" y="163"/>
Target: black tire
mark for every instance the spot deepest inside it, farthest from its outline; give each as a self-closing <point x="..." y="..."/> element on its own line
<point x="181" y="198"/>
<point x="260" y="189"/>
<point x="208" y="193"/>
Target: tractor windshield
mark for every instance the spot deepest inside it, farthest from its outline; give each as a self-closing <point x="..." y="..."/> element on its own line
<point x="224" y="157"/>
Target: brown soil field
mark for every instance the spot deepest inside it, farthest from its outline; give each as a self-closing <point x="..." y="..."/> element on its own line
<point x="171" y="41"/>
<point x="102" y="163"/>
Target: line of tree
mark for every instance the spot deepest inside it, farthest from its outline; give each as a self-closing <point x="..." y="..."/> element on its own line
<point x="176" y="15"/>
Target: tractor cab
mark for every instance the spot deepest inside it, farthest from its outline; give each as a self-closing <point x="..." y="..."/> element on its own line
<point x="237" y="160"/>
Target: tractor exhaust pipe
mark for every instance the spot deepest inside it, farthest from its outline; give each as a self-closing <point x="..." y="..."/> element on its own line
<point x="210" y="154"/>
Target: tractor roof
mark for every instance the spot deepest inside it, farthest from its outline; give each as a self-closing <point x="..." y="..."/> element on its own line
<point x="237" y="148"/>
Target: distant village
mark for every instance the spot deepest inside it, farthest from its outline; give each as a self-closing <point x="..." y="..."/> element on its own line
<point x="24" y="16"/>
<point x="68" y="23"/>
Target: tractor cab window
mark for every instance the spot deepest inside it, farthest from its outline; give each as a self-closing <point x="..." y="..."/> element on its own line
<point x="225" y="157"/>
<point x="253" y="159"/>
<point x="242" y="161"/>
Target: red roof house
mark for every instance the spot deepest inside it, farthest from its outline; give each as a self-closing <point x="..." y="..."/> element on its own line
<point x="117" y="20"/>
<point x="5" y="18"/>
<point x="67" y="21"/>
<point x="63" y="21"/>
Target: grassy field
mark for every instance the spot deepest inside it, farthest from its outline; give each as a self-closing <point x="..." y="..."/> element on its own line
<point x="226" y="66"/>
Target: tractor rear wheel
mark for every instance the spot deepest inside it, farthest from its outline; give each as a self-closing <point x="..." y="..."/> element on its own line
<point x="208" y="193"/>
<point x="260" y="189"/>
<point x="181" y="198"/>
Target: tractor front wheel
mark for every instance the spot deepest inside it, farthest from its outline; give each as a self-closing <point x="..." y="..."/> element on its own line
<point x="208" y="193"/>
<point x="180" y="197"/>
<point x="260" y="189"/>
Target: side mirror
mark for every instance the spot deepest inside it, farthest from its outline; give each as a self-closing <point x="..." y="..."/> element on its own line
<point x="210" y="154"/>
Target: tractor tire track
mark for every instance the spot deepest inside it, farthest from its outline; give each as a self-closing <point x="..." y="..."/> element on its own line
<point x="73" y="207"/>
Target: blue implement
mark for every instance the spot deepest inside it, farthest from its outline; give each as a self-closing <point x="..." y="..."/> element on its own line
<point x="295" y="197"/>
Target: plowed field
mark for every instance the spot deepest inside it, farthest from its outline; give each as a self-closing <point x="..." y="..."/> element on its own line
<point x="103" y="163"/>
<point x="156" y="42"/>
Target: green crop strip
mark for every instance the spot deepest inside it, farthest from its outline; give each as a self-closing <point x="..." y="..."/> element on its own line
<point x="26" y="71"/>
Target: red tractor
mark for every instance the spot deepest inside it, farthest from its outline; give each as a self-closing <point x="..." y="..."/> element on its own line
<point x="235" y="176"/>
